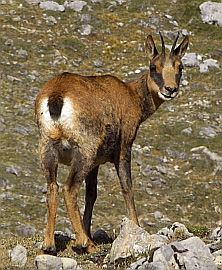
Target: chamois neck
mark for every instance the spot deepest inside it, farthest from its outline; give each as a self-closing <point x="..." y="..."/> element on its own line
<point x="149" y="102"/>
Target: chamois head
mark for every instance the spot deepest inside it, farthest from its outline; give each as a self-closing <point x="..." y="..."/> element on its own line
<point x="165" y="68"/>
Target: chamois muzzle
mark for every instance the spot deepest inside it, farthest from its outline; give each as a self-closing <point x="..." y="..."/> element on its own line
<point x="168" y="93"/>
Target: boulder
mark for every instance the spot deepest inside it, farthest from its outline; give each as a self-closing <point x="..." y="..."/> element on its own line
<point x="75" y="5"/>
<point x="189" y="254"/>
<point x="211" y="13"/>
<point x="133" y="241"/>
<point x="18" y="256"/>
<point x="51" y="5"/>
<point x="190" y="60"/>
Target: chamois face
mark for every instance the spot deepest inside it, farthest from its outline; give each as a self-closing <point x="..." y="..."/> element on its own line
<point x="165" y="74"/>
<point x="165" y="68"/>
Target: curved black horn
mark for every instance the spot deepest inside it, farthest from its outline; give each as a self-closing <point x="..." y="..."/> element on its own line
<point x="174" y="44"/>
<point x="163" y="45"/>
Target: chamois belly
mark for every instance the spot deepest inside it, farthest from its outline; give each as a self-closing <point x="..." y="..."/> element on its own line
<point x="65" y="152"/>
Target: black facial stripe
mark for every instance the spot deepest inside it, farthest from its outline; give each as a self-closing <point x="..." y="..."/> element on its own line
<point x="177" y="78"/>
<point x="158" y="78"/>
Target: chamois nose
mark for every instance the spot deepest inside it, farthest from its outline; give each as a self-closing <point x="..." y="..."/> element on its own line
<point x="170" y="89"/>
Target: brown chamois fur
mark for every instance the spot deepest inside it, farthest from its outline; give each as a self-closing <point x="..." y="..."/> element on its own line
<point x="85" y="121"/>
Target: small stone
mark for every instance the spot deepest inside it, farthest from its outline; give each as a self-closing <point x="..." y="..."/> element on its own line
<point x="22" y="53"/>
<point x="51" y="20"/>
<point x="86" y="30"/>
<point x="184" y="82"/>
<point x="13" y="170"/>
<point x="187" y="131"/>
<point x="158" y="214"/>
<point x="97" y="63"/>
<point x="203" y="68"/>
<point x="101" y="237"/>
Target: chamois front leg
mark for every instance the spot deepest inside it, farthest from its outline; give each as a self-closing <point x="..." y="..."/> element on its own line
<point x="49" y="163"/>
<point x="124" y="173"/>
<point x="70" y="192"/>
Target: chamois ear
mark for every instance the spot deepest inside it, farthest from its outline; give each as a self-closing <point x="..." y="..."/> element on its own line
<point x="150" y="47"/>
<point x="182" y="48"/>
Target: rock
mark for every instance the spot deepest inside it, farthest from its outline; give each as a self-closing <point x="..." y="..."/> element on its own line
<point x="51" y="20"/>
<point x="48" y="262"/>
<point x="188" y="254"/>
<point x="75" y="5"/>
<point x="204" y="67"/>
<point x="13" y="170"/>
<point x="162" y="169"/>
<point x="97" y="63"/>
<point x="33" y="2"/>
<point x="217" y="256"/>
<point x="22" y="53"/>
<point x="18" y="255"/>
<point x="69" y="264"/>
<point x="13" y="79"/>
<point x="216" y="234"/>
<point x="120" y="2"/>
<point x="190" y="60"/>
<point x="187" y="131"/>
<point x="101" y="237"/>
<point x="26" y="231"/>
<point x="208" y="132"/>
<point x="198" y="247"/>
<point x="85" y="30"/>
<point x="158" y="214"/>
<point x="133" y="240"/>
<point x="211" y="13"/>
<point x="211" y="63"/>
<point x="51" y="5"/>
<point x="184" y="82"/>
<point x="175" y="230"/>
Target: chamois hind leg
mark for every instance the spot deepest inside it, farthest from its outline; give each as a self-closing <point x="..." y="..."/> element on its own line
<point x="123" y="167"/>
<point x="49" y="163"/>
<point x="78" y="172"/>
<point x="90" y="198"/>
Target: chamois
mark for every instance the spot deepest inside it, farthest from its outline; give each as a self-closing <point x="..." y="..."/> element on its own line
<point x="86" y="121"/>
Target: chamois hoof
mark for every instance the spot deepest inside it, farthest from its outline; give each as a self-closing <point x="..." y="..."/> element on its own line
<point x="48" y="251"/>
<point x="83" y="249"/>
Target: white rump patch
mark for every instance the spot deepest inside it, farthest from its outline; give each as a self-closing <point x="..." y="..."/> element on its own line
<point x="45" y="115"/>
<point x="66" y="119"/>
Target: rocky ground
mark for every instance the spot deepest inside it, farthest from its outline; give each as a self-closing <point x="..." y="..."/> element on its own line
<point x="177" y="156"/>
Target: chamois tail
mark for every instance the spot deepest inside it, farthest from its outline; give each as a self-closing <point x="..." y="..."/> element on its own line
<point x="55" y="104"/>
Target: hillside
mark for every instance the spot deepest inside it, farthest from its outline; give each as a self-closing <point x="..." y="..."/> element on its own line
<point x="177" y="156"/>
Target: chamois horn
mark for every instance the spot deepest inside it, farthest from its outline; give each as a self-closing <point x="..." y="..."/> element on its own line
<point x="174" y="44"/>
<point x="163" y="45"/>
